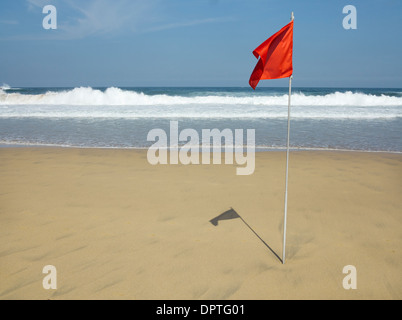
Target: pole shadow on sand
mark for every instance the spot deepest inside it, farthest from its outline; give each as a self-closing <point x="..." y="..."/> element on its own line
<point x="232" y="214"/>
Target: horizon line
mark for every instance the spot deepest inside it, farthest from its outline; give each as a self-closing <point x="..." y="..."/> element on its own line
<point x="195" y="86"/>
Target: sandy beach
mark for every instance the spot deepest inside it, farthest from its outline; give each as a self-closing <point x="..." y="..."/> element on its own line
<point x="116" y="227"/>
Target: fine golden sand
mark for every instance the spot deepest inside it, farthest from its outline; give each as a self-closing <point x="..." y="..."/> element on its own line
<point x="116" y="227"/>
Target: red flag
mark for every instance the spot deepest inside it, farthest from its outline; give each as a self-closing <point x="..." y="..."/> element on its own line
<point x="275" y="57"/>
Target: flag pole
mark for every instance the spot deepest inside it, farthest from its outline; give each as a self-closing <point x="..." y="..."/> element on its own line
<point x="287" y="168"/>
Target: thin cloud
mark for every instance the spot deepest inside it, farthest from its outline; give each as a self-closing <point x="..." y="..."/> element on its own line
<point x="32" y="4"/>
<point x="188" y="24"/>
<point x="82" y="19"/>
<point x="102" y="17"/>
<point x="10" y="22"/>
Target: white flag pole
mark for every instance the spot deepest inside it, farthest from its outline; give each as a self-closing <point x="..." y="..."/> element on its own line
<point x="287" y="169"/>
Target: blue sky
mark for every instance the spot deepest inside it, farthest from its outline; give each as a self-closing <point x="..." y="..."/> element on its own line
<point x="196" y="42"/>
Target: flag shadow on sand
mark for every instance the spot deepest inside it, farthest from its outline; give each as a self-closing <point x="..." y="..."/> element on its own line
<point x="232" y="214"/>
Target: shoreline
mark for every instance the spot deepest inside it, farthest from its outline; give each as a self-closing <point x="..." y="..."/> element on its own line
<point x="116" y="227"/>
<point x="257" y="149"/>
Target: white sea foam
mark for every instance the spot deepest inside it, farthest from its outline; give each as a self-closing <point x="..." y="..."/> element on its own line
<point x="117" y="103"/>
<point x="259" y="148"/>
<point x="115" y="96"/>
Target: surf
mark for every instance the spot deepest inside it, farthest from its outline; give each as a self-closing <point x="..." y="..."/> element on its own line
<point x="87" y="96"/>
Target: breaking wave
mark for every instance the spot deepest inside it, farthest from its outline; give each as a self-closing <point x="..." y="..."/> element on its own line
<point x="117" y="103"/>
<point x="5" y="87"/>
<point x="85" y="96"/>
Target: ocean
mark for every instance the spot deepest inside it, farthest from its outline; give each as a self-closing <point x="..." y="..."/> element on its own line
<point x="321" y="118"/>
